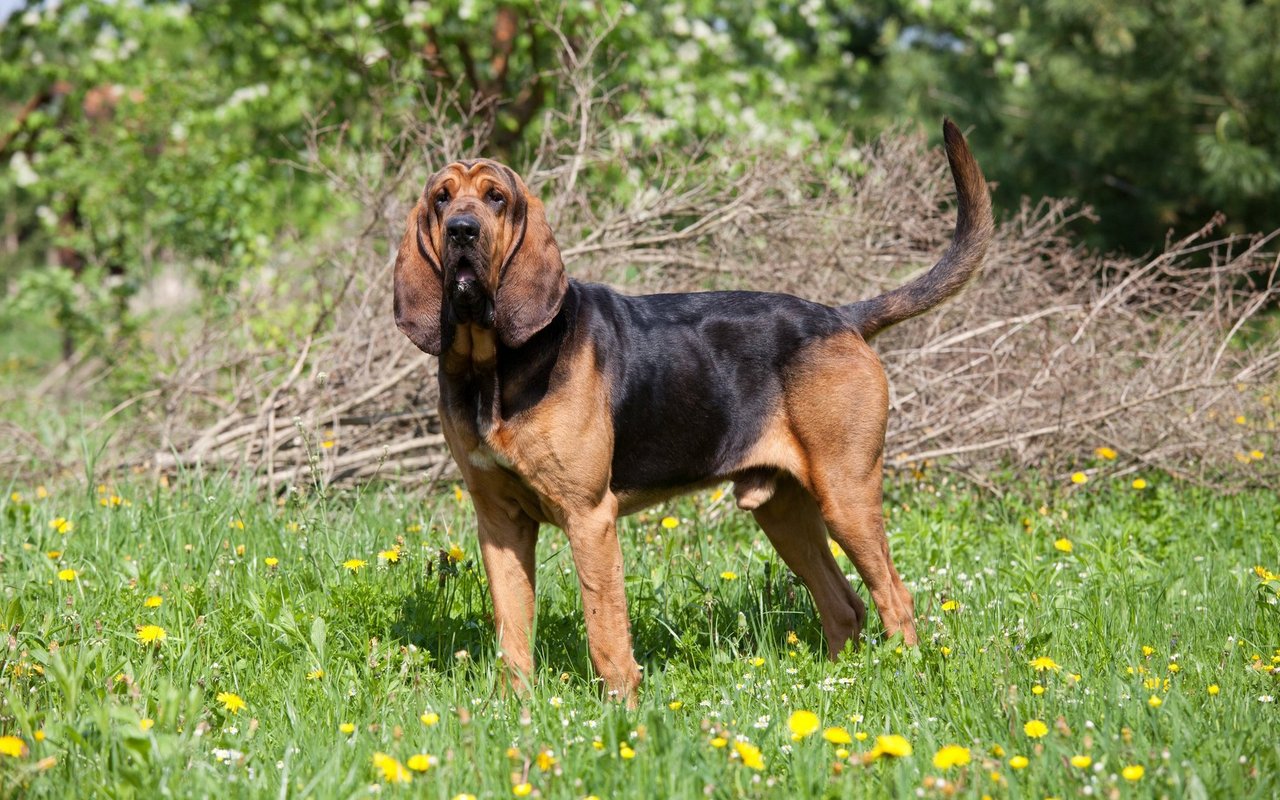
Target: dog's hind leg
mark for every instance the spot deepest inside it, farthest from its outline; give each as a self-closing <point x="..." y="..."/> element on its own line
<point x="838" y="403"/>
<point x="856" y="521"/>
<point x="792" y="520"/>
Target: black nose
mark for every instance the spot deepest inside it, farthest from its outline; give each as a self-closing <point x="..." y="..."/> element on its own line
<point x="462" y="229"/>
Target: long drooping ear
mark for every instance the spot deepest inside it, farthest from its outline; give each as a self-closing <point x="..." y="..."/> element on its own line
<point x="419" y="282"/>
<point x="532" y="280"/>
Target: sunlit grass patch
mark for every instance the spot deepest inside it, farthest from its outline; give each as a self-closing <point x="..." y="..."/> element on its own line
<point x="185" y="653"/>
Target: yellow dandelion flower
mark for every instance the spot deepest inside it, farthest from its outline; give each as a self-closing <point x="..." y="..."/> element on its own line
<point x="1139" y="484"/>
<point x="392" y="771"/>
<point x="1081" y="762"/>
<point x="522" y="789"/>
<point x="464" y="796"/>
<point x="354" y="564"/>
<point x="1174" y="667"/>
<point x="151" y="634"/>
<point x="61" y="525"/>
<point x="456" y="553"/>
<point x="67" y="575"/>
<point x="430" y="718"/>
<point x="860" y="735"/>
<point x="12" y="746"/>
<point x="391" y="556"/>
<point x="842" y="753"/>
<point x="348" y="728"/>
<point x="545" y="760"/>
<point x="327" y="444"/>
<point x="1037" y="690"/>
<point x="238" y="524"/>
<point x="1257" y="455"/>
<point x="750" y="755"/>
<point x="419" y="762"/>
<point x="1035" y="728"/>
<point x="1106" y="453"/>
<point x="16" y="497"/>
<point x="457" y="494"/>
<point x="146" y="724"/>
<point x="802" y="724"/>
<point x="946" y="651"/>
<point x="1079" y="478"/>
<point x="951" y="605"/>
<point x="1241" y="419"/>
<point x="729" y="576"/>
<point x="230" y="701"/>
<point x="952" y="755"/>
<point x="54" y="554"/>
<point x="626" y="752"/>
<point x="719" y="742"/>
<point x="1154" y="701"/>
<point x="1133" y="773"/>
<point x="836" y="552"/>
<point x="1213" y="689"/>
<point x="1044" y="663"/>
<point x="675" y="705"/>
<point x="837" y="735"/>
<point x="996" y="751"/>
<point x="1018" y="762"/>
<point x="153" y="601"/>
<point x="892" y="745"/>
<point x="315" y="674"/>
<point x="271" y="561"/>
<point x="1147" y="650"/>
<point x="42" y="492"/>
<point x="1063" y="545"/>
<point x="670" y="522"/>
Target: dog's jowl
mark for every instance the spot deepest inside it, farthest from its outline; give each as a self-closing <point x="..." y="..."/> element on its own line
<point x="571" y="404"/>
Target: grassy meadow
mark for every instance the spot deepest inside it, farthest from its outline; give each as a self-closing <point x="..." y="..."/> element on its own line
<point x="197" y="639"/>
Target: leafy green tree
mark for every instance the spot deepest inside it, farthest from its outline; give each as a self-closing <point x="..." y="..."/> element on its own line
<point x="139" y="134"/>
<point x="1157" y="114"/>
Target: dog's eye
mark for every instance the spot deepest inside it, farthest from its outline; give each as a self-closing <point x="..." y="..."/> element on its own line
<point x="495" y="197"/>
<point x="442" y="198"/>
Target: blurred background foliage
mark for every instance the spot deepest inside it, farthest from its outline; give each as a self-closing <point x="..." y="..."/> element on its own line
<point x="144" y="139"/>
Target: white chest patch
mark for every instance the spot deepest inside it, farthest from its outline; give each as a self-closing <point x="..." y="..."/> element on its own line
<point x="485" y="458"/>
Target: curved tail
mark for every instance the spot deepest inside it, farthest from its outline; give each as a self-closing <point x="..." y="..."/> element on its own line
<point x="974" y="227"/>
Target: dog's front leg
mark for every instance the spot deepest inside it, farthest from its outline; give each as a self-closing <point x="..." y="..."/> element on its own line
<point x="593" y="539"/>
<point x="508" y="539"/>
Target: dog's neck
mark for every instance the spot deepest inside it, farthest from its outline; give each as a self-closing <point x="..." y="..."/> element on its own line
<point x="484" y="381"/>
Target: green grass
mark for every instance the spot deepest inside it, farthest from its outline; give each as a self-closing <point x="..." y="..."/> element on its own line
<point x="1170" y="569"/>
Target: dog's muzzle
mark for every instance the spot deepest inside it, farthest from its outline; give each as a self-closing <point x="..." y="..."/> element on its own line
<point x="468" y="298"/>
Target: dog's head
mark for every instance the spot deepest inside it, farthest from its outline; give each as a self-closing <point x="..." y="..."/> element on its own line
<point x="477" y="250"/>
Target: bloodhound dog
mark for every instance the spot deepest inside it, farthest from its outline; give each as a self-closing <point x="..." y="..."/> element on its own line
<point x="571" y="404"/>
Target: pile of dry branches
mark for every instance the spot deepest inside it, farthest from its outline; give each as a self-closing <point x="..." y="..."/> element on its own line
<point x="1051" y="353"/>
